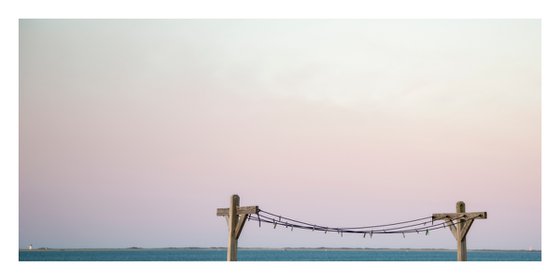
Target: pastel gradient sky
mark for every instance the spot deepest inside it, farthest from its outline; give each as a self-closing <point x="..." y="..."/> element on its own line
<point x="133" y="132"/>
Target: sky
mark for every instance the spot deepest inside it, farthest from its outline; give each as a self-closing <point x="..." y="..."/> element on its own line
<point x="133" y="132"/>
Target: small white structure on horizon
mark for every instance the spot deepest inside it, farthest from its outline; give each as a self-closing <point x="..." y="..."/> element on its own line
<point x="30" y="247"/>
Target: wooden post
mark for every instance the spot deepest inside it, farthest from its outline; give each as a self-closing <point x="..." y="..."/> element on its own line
<point x="461" y="243"/>
<point x="236" y="220"/>
<point x="460" y="223"/>
<point x="233" y="219"/>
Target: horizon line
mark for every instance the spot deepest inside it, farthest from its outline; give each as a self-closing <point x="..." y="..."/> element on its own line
<point x="268" y="248"/>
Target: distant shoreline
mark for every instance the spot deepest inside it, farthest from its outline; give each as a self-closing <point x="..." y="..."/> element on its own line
<point x="42" y="249"/>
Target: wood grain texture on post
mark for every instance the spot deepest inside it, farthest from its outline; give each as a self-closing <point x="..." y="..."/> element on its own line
<point x="233" y="219"/>
<point x="461" y="240"/>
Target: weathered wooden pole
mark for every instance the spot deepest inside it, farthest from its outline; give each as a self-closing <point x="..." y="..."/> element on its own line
<point x="233" y="219"/>
<point x="460" y="223"/>
<point x="236" y="216"/>
<point x="461" y="243"/>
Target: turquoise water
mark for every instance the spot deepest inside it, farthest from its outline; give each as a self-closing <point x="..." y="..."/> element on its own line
<point x="269" y="255"/>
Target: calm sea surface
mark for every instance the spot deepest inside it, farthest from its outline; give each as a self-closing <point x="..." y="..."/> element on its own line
<point x="269" y="255"/>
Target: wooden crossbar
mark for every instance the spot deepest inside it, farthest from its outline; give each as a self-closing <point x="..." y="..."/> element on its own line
<point x="457" y="216"/>
<point x="241" y="210"/>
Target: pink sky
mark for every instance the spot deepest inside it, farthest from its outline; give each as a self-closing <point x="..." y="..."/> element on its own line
<point x="132" y="133"/>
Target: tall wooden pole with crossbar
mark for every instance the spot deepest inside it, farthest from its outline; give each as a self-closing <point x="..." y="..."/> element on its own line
<point x="460" y="223"/>
<point x="236" y="217"/>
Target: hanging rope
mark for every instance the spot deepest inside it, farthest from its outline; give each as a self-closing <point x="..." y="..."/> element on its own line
<point x="363" y="227"/>
<point x="424" y="224"/>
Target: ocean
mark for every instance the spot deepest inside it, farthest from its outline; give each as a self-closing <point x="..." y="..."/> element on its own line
<point x="183" y="254"/>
